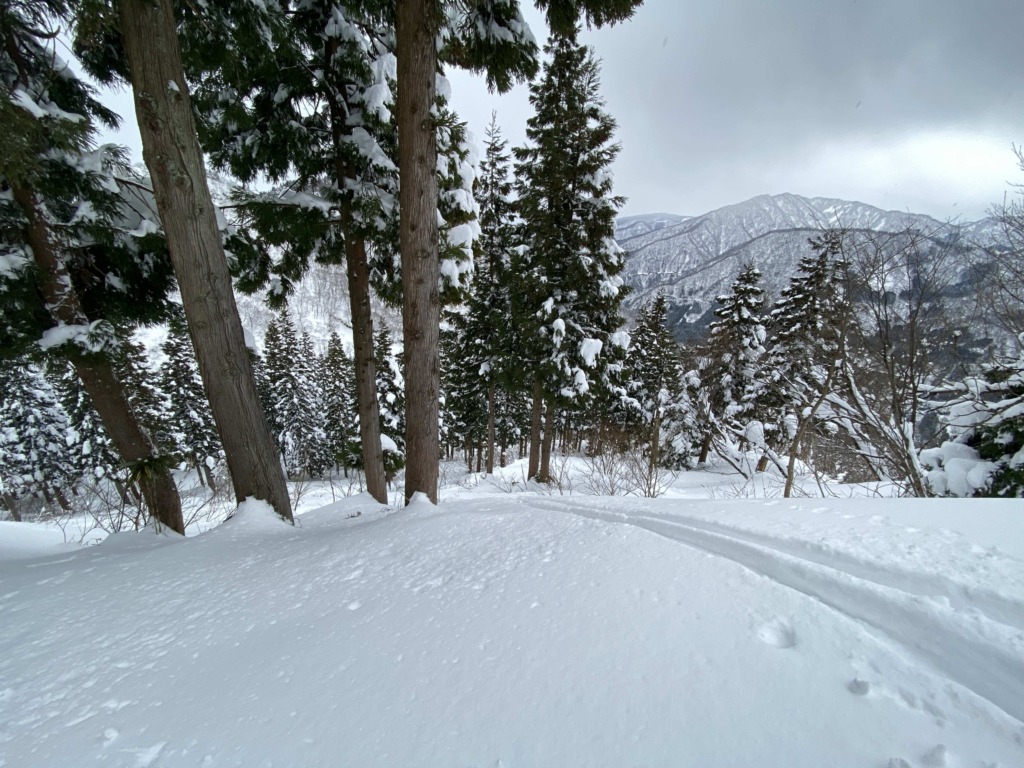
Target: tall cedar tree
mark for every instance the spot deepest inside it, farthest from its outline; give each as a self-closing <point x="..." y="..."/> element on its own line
<point x="140" y="44"/>
<point x="301" y="93"/>
<point x="490" y="342"/>
<point x="305" y="98"/>
<point x="70" y="270"/>
<point x="487" y="35"/>
<point x="571" y="289"/>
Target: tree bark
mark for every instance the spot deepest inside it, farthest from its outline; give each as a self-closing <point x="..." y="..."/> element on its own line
<point x="544" y="473"/>
<point x="175" y="162"/>
<point x="358" y="271"/>
<point x="416" y="26"/>
<point x="11" y="504"/>
<point x="97" y="374"/>
<point x="366" y="373"/>
<point x="535" y="426"/>
<point x="490" y="427"/>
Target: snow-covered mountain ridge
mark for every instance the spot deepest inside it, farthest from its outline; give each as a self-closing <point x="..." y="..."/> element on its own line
<point x="693" y="259"/>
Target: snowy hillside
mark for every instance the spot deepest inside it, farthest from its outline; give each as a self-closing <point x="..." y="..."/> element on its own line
<point x="525" y="630"/>
<point x="695" y="259"/>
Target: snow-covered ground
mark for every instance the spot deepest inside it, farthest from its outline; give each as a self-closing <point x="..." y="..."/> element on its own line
<point x="509" y="627"/>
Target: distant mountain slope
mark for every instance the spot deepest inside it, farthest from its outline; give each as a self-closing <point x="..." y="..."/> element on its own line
<point x="693" y="259"/>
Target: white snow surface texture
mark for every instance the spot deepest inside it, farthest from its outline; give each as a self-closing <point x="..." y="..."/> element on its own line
<point x="529" y="630"/>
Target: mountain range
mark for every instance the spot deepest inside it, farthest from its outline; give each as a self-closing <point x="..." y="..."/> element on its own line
<point x="694" y="259"/>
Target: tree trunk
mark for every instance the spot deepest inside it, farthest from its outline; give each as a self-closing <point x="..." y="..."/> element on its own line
<point x="366" y="373"/>
<point x="705" y="448"/>
<point x="11" y="504"/>
<point x="535" y="417"/>
<point x="655" y="441"/>
<point x="416" y="34"/>
<point x="358" y="271"/>
<point x="544" y="473"/>
<point x="106" y="391"/>
<point x="175" y="162"/>
<point x="490" y="428"/>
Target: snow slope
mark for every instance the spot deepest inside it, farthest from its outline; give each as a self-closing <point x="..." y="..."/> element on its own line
<point x="527" y="630"/>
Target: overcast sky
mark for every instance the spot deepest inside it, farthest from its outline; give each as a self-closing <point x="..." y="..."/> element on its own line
<point x="903" y="104"/>
<point x="911" y="105"/>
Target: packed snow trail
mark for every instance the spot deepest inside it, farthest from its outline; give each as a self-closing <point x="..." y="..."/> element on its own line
<point x="488" y="632"/>
<point x="982" y="652"/>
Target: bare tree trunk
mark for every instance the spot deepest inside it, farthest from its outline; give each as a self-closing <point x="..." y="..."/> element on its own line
<point x="705" y="448"/>
<point x="490" y="428"/>
<point x="11" y="504"/>
<point x="416" y="26"/>
<point x="544" y="473"/>
<point x="358" y="271"/>
<point x="366" y="374"/>
<point x="97" y="374"/>
<point x="655" y="441"/>
<point x="535" y="418"/>
<point x="175" y="162"/>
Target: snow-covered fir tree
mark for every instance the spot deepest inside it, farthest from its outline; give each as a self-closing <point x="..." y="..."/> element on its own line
<point x="340" y="415"/>
<point x="730" y="362"/>
<point x="188" y="415"/>
<point x="34" y="455"/>
<point x="802" y="363"/>
<point x="391" y="396"/>
<point x="569" y="290"/>
<point x="655" y="373"/>
<point x="92" y="454"/>
<point x="293" y="398"/>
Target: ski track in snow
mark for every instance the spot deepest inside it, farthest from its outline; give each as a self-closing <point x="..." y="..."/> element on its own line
<point x="975" y="641"/>
<point x="518" y="631"/>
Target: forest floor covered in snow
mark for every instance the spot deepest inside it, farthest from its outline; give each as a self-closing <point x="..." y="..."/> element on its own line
<point x="510" y="627"/>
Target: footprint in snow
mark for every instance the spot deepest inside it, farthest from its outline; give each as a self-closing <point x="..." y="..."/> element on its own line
<point x="778" y="633"/>
<point x="858" y="687"/>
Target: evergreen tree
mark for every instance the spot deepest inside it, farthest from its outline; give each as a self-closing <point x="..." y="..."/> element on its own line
<point x="188" y="412"/>
<point x="34" y="457"/>
<point x="570" y="290"/>
<point x="487" y="349"/>
<point x="391" y="396"/>
<point x="147" y="399"/>
<point x="486" y="35"/>
<point x="313" y="110"/>
<point x="294" y="410"/>
<point x="802" y="363"/>
<point x="138" y="42"/>
<point x="91" y="452"/>
<point x="340" y="415"/>
<point x="731" y="358"/>
<point x="74" y="267"/>
<point x="655" y="372"/>
<point x="316" y="456"/>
